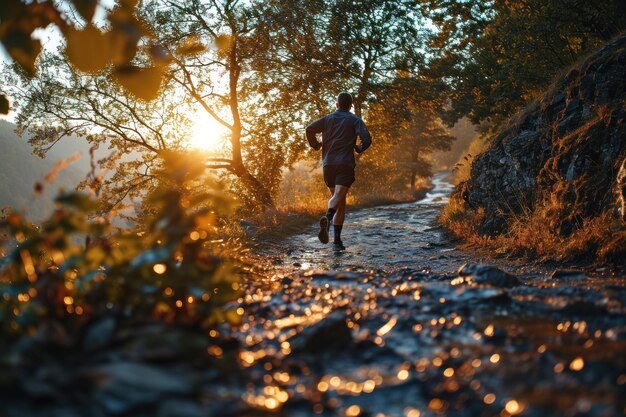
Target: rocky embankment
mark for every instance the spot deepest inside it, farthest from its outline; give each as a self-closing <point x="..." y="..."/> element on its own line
<point x="552" y="176"/>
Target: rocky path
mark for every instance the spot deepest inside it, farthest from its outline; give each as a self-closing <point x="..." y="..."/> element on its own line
<point x="391" y="327"/>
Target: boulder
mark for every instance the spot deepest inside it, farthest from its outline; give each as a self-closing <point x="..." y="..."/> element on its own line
<point x="568" y="275"/>
<point x="488" y="275"/>
<point x="328" y="335"/>
<point x="123" y="386"/>
<point x="561" y="155"/>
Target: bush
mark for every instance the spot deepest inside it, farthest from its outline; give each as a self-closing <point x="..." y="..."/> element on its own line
<point x="75" y="267"/>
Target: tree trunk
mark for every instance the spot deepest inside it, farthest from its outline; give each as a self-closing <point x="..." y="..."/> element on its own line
<point x="255" y="187"/>
<point x="363" y="90"/>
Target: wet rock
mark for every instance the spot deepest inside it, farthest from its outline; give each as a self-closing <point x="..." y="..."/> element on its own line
<point x="586" y="307"/>
<point x="331" y="334"/>
<point x="567" y="274"/>
<point x="477" y="294"/>
<point x="121" y="387"/>
<point x="250" y="229"/>
<point x="49" y="411"/>
<point x="488" y="275"/>
<point x="181" y="408"/>
<point x="36" y="388"/>
<point x="99" y="334"/>
<point x="340" y="275"/>
<point x="621" y="190"/>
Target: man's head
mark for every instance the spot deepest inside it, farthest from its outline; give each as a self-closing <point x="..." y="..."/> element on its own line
<point x="344" y="101"/>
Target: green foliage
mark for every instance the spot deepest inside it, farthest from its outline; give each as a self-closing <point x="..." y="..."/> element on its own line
<point x="373" y="49"/>
<point x="76" y="268"/>
<point x="493" y="57"/>
<point x="407" y="131"/>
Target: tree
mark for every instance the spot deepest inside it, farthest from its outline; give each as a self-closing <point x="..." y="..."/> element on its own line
<point x="216" y="81"/>
<point x="495" y="56"/>
<point x="409" y="130"/>
<point x="59" y="103"/>
<point x="426" y="134"/>
<point x="373" y="49"/>
<point x="322" y="48"/>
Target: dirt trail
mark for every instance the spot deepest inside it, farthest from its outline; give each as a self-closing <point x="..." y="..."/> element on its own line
<point x="390" y="328"/>
<point x="385" y="237"/>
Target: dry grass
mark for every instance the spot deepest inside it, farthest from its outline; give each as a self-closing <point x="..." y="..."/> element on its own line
<point x="303" y="197"/>
<point x="598" y="240"/>
<point x="571" y="220"/>
<point x="463" y="223"/>
<point x="303" y="211"/>
<point x="463" y="167"/>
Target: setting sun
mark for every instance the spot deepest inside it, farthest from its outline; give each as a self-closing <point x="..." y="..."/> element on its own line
<point x="207" y="134"/>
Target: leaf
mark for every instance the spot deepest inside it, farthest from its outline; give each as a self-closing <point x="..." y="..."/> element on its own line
<point x="22" y="49"/>
<point x="11" y="9"/>
<point x="5" y="105"/>
<point x="86" y="8"/>
<point x="223" y="42"/>
<point x="143" y="83"/>
<point x="191" y="47"/>
<point x="17" y="23"/>
<point x="78" y="200"/>
<point x="126" y="33"/>
<point x="89" y="50"/>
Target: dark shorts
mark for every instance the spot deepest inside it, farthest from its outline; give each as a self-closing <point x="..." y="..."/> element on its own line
<point x="338" y="175"/>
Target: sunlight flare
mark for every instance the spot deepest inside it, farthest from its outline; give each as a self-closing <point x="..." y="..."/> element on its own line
<point x="207" y="133"/>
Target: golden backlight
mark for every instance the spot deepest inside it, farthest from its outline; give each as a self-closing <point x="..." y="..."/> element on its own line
<point x="207" y="133"/>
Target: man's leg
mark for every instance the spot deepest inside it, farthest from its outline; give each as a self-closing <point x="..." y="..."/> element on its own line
<point x="338" y="203"/>
<point x="330" y="220"/>
<point x="338" y="225"/>
<point x="340" y="214"/>
<point x="339" y="193"/>
<point x="338" y="198"/>
<point x="334" y="204"/>
<point x="327" y="218"/>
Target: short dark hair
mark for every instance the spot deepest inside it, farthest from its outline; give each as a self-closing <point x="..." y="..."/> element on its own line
<point x="345" y="101"/>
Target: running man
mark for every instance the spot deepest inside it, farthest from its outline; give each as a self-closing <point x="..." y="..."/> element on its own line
<point x="339" y="132"/>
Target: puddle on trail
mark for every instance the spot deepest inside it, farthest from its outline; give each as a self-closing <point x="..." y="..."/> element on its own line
<point x="389" y="329"/>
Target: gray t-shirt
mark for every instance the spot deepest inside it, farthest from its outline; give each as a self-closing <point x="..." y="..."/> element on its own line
<point x="339" y="132"/>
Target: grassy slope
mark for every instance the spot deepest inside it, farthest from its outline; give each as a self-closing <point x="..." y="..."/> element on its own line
<point x="535" y="229"/>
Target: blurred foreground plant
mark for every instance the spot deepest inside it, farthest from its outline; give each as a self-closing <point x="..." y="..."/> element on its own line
<point x="75" y="268"/>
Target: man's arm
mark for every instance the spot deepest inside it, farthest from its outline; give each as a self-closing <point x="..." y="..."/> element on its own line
<point x="312" y="130"/>
<point x="364" y="134"/>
